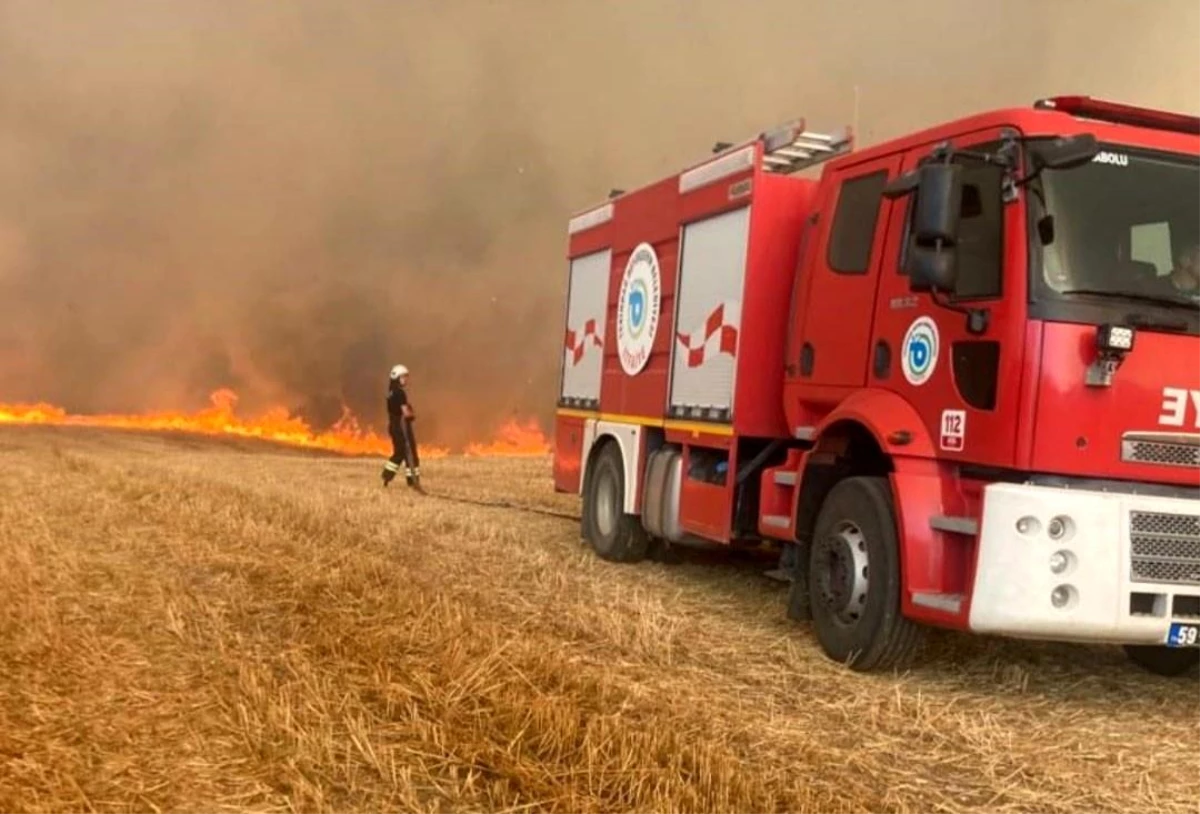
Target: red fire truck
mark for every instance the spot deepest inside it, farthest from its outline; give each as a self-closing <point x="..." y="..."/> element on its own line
<point x="955" y="378"/>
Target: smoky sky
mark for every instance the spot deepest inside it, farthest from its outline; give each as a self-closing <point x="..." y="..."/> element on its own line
<point x="286" y="199"/>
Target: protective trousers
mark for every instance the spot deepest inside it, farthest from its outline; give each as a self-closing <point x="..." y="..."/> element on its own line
<point x="404" y="452"/>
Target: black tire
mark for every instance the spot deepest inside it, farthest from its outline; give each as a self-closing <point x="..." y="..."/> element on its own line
<point x="662" y="552"/>
<point x="1162" y="660"/>
<point x="854" y="579"/>
<point x="799" y="605"/>
<point x="614" y="535"/>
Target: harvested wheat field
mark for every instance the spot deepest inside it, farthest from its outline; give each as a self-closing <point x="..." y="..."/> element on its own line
<point x="191" y="625"/>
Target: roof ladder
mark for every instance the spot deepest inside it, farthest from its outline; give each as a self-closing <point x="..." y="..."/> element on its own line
<point x="792" y="148"/>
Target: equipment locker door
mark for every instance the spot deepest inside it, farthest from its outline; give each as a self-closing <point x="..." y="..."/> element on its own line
<point x="965" y="385"/>
<point x="843" y="264"/>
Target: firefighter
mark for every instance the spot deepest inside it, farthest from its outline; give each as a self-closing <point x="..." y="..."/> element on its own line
<point x="1185" y="276"/>
<point x="404" y="442"/>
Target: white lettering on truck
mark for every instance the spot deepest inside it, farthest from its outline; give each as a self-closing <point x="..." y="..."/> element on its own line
<point x="1115" y="159"/>
<point x="1175" y="401"/>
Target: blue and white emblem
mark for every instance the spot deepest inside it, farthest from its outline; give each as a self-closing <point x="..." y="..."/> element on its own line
<point x="919" y="351"/>
<point x="638" y="309"/>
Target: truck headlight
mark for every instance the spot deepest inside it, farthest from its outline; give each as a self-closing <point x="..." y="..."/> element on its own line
<point x="1114" y="339"/>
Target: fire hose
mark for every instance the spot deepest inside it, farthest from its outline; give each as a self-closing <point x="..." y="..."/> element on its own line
<point x="503" y="504"/>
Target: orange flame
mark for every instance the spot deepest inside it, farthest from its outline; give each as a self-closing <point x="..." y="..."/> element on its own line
<point x="346" y="436"/>
<point x="513" y="439"/>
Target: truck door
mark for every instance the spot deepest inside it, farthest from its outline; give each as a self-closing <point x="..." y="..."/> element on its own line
<point x="835" y="326"/>
<point x="965" y="385"/>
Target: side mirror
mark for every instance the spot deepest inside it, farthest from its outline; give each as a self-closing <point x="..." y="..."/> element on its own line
<point x="931" y="268"/>
<point x="1064" y="153"/>
<point x="938" y="205"/>
<point x="932" y="254"/>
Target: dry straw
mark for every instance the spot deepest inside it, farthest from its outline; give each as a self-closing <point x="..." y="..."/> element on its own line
<point x="209" y="627"/>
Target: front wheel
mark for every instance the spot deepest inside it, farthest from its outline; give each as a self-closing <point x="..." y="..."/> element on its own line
<point x="1161" y="660"/>
<point x="854" y="578"/>
<point x="613" y="534"/>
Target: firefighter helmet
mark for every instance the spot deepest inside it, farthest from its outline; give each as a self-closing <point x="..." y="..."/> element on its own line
<point x="398" y="371"/>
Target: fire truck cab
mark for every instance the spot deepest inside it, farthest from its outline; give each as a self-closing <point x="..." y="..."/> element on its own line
<point x="955" y="377"/>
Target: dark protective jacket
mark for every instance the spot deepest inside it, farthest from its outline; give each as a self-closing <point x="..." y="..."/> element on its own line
<point x="396" y="400"/>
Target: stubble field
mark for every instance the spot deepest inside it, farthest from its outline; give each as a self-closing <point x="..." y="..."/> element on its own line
<point x="195" y="625"/>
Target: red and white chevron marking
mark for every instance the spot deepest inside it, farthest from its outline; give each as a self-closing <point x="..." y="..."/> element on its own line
<point x="713" y="337"/>
<point x="576" y="344"/>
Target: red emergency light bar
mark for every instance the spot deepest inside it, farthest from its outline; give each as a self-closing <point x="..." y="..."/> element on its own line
<point x="1088" y="108"/>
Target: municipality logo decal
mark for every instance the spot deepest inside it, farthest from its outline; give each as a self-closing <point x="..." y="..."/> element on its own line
<point x="638" y="308"/>
<point x="920" y="351"/>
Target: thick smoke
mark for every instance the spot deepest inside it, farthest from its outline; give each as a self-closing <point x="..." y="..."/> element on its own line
<point x="288" y="198"/>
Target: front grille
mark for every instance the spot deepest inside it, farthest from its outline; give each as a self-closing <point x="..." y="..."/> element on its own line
<point x="1150" y="450"/>
<point x="1165" y="547"/>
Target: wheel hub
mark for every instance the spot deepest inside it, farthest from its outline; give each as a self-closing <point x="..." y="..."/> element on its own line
<point x="842" y="572"/>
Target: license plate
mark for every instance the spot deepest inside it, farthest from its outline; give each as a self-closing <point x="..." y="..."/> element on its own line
<point x="1181" y="635"/>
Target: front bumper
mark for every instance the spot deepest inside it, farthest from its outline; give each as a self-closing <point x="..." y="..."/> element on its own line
<point x="1132" y="565"/>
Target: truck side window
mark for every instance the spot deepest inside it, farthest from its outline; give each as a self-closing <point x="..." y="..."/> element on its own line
<point x="981" y="232"/>
<point x="854" y="220"/>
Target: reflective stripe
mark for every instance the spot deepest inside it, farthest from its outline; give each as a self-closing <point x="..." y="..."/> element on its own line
<point x="391" y="467"/>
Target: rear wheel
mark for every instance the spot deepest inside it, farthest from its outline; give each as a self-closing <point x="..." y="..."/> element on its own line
<point x="799" y="604"/>
<point x="854" y="579"/>
<point x="1163" y="661"/>
<point x="613" y="534"/>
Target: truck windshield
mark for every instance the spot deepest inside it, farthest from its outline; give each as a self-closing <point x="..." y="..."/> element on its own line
<point x="1126" y="228"/>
